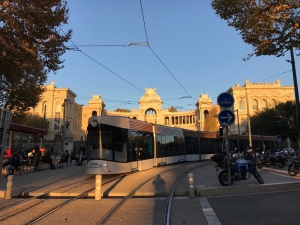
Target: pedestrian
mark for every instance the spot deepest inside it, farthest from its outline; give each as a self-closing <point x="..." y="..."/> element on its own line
<point x="8" y="153"/>
<point x="51" y="150"/>
<point x="13" y="164"/>
<point x="37" y="157"/>
<point x="64" y="158"/>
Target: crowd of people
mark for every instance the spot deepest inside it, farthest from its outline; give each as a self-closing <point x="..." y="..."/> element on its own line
<point x="13" y="159"/>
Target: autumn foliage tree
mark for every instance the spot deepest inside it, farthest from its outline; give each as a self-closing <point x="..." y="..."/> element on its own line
<point x="121" y="110"/>
<point x="271" y="27"/>
<point x="211" y="123"/>
<point x="31" y="43"/>
<point x="172" y="109"/>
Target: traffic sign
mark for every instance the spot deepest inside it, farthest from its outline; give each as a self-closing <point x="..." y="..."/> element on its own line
<point x="225" y="100"/>
<point x="226" y="117"/>
<point x="278" y="138"/>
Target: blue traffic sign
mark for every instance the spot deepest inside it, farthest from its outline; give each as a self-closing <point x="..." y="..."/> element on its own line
<point x="278" y="138"/>
<point x="226" y="117"/>
<point x="225" y="100"/>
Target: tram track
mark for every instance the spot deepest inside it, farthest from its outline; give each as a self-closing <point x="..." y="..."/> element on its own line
<point x="28" y="205"/>
<point x="39" y="208"/>
<point x="169" y="198"/>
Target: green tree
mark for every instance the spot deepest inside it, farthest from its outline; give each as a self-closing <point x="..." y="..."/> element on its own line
<point x="121" y="110"/>
<point x="270" y="26"/>
<point x="36" y="121"/>
<point x="275" y="121"/>
<point x="211" y="123"/>
<point x="172" y="109"/>
<point x="31" y="43"/>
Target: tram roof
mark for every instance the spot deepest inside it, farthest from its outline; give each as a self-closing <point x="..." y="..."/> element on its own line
<point x="26" y="129"/>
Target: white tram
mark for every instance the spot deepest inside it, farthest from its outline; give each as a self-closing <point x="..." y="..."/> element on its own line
<point x="120" y="145"/>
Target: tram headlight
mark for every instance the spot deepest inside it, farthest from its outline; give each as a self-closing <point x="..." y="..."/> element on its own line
<point x="95" y="123"/>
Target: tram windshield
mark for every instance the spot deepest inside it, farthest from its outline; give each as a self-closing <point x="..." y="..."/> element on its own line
<point x="108" y="143"/>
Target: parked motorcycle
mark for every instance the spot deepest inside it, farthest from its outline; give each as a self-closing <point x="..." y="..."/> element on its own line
<point x="241" y="170"/>
<point x="279" y="160"/>
<point x="263" y="159"/>
<point x="293" y="167"/>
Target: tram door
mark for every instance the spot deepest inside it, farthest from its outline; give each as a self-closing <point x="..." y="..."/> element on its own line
<point x="134" y="150"/>
<point x="161" y="149"/>
<point x="181" y="149"/>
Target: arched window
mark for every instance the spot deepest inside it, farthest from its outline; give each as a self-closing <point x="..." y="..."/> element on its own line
<point x="254" y="104"/>
<point x="167" y="120"/>
<point x="241" y="105"/>
<point x="273" y="103"/>
<point x="58" y="107"/>
<point x="94" y="113"/>
<point x="44" y="108"/>
<point x="264" y="104"/>
<point x="205" y="113"/>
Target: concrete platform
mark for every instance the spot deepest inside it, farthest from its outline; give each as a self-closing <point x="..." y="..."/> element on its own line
<point x="205" y="181"/>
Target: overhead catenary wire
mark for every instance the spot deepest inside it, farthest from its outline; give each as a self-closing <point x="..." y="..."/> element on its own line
<point x="76" y="48"/>
<point x="146" y="34"/>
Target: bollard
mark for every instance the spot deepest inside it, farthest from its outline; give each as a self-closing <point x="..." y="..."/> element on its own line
<point x="9" y="185"/>
<point x="191" y="185"/>
<point x="98" y="183"/>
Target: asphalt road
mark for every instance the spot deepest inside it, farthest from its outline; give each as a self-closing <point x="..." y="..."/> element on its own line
<point x="259" y="209"/>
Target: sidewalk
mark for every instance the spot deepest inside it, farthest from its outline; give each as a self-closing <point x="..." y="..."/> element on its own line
<point x="275" y="179"/>
<point x="205" y="181"/>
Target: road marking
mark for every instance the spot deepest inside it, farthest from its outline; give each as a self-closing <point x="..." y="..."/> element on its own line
<point x="209" y="213"/>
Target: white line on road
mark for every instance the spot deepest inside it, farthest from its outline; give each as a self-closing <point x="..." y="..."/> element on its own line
<point x="209" y="213"/>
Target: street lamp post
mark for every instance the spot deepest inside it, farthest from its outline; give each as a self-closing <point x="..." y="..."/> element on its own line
<point x="238" y="142"/>
<point x="249" y="124"/>
<point x="65" y="112"/>
<point x="238" y="120"/>
<point x="296" y="93"/>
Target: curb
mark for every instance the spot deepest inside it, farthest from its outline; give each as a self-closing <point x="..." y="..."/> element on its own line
<point x="249" y="189"/>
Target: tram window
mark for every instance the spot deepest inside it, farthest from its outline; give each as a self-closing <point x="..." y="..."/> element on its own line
<point x="204" y="146"/>
<point x="120" y="134"/>
<point x="120" y="151"/>
<point x="160" y="145"/>
<point x="192" y="146"/>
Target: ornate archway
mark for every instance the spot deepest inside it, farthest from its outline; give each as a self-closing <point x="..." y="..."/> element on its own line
<point x="151" y="115"/>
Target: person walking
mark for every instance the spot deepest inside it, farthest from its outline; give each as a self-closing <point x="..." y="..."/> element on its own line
<point x="37" y="157"/>
<point x="51" y="150"/>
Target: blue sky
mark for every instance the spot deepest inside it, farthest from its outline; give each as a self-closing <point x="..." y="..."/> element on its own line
<point x="199" y="53"/>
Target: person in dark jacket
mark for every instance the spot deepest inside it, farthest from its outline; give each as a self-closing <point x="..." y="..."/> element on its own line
<point x="37" y="157"/>
<point x="64" y="158"/>
<point x="13" y="164"/>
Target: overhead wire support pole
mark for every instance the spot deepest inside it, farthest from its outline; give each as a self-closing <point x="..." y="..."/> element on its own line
<point x="296" y="92"/>
<point x="5" y="124"/>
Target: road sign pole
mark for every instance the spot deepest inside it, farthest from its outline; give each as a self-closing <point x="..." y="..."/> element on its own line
<point x="228" y="155"/>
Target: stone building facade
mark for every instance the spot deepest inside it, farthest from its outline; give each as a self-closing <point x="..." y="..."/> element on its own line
<point x="254" y="97"/>
<point x="59" y="106"/>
